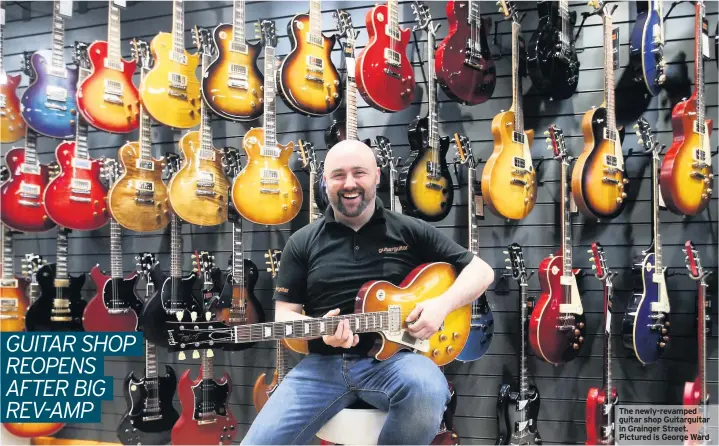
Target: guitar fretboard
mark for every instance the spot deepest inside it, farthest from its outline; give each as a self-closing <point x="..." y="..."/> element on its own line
<point x="238" y="268"/>
<point x="564" y="17"/>
<point x="316" y="21"/>
<point x="472" y="224"/>
<point x="114" y="52"/>
<point x="433" y="137"/>
<point x="699" y="63"/>
<point x="207" y="366"/>
<point x="270" y="147"/>
<point x="474" y="25"/>
<point x="393" y="20"/>
<point x="566" y="227"/>
<point x="150" y="360"/>
<point x="314" y="210"/>
<point x="58" y="37"/>
<point x="30" y="145"/>
<point x="205" y="124"/>
<point x="81" y="126"/>
<point x="517" y="98"/>
<point x="145" y="128"/>
<point x="175" y="248"/>
<point x="351" y="88"/>
<point x="8" y="265"/>
<point x="655" y="214"/>
<point x="61" y="274"/>
<point x="281" y="358"/>
<point x="609" y="74"/>
<point x="608" y="292"/>
<point x="115" y="249"/>
<point x="178" y="27"/>
<point x="523" y="374"/>
<point x="238" y="23"/>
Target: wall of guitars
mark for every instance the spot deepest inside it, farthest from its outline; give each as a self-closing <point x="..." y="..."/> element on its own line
<point x="121" y="157"/>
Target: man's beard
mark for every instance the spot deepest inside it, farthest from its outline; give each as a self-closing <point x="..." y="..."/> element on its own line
<point x="364" y="202"/>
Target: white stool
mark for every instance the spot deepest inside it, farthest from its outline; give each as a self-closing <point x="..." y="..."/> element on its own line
<point x="354" y="426"/>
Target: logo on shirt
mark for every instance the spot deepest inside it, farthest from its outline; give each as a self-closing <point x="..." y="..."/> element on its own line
<point x="280" y="289"/>
<point x="394" y="249"/>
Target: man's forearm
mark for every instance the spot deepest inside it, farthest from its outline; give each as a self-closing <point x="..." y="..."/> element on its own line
<point x="474" y="280"/>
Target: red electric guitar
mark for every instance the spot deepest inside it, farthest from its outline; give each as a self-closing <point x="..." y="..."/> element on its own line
<point x="464" y="66"/>
<point x="384" y="76"/>
<point x="600" y="410"/>
<point x="76" y="199"/>
<point x="695" y="393"/>
<point x="22" y="195"/>
<point x="205" y="417"/>
<point x="556" y="328"/>
<point x="115" y="307"/>
<point x="107" y="98"/>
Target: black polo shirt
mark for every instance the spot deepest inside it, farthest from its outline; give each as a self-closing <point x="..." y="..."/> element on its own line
<point x="325" y="263"/>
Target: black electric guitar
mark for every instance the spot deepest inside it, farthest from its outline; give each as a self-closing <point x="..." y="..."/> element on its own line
<point x="389" y="163"/>
<point x="425" y="185"/>
<point x="518" y="407"/>
<point x="551" y="57"/>
<point x="203" y="263"/>
<point x="150" y="413"/>
<point x="317" y="190"/>
<point x="175" y="301"/>
<point x="59" y="306"/>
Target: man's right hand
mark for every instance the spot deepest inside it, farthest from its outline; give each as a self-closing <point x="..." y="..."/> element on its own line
<point x="343" y="337"/>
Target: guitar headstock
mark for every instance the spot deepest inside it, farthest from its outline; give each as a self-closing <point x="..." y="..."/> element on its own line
<point x="26" y="64"/>
<point x="31" y="263"/>
<point x="384" y="152"/>
<point x="231" y="161"/>
<point x="423" y="17"/>
<point x="80" y="55"/>
<point x="202" y="38"/>
<point x="4" y="173"/>
<point x="557" y="144"/>
<point x="203" y="263"/>
<point x="273" y="261"/>
<point x="516" y="262"/>
<point x="172" y="164"/>
<point x="197" y="335"/>
<point x="308" y="158"/>
<point x="463" y="151"/>
<point x="141" y="53"/>
<point x="266" y="32"/>
<point x="343" y="19"/>
<point x="693" y="262"/>
<point x="508" y="9"/>
<point x="110" y="170"/>
<point x="145" y="261"/>
<point x="646" y="137"/>
<point x="599" y="262"/>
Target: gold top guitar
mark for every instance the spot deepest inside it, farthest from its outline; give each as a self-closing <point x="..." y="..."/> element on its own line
<point x="267" y="191"/>
<point x="232" y="84"/>
<point x="170" y="92"/>
<point x="598" y="179"/>
<point x="199" y="190"/>
<point x="138" y="199"/>
<point x="509" y="185"/>
<point x="309" y="81"/>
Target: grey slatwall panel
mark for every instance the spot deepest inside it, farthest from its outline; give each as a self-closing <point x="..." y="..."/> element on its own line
<point x="563" y="388"/>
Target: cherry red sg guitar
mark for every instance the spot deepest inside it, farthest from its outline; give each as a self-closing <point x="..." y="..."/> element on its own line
<point x="384" y="76"/>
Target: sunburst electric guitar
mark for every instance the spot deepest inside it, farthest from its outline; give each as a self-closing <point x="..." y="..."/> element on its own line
<point x="12" y="125"/>
<point x="13" y="296"/>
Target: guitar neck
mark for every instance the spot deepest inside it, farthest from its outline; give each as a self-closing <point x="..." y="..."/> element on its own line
<point x="238" y="267"/>
<point x="58" y="38"/>
<point x="8" y="264"/>
<point x="523" y="375"/>
<point x="609" y="73"/>
<point x="207" y="366"/>
<point x="607" y="376"/>
<point x="205" y="124"/>
<point x="351" y="89"/>
<point x="150" y="360"/>
<point x="30" y="147"/>
<point x="81" y="125"/>
<point x="178" y="27"/>
<point x="115" y="249"/>
<point x="238" y="25"/>
<point x="393" y="21"/>
<point x="316" y="21"/>
<point x="145" y="128"/>
<point x="62" y="278"/>
<point x="658" y="268"/>
<point x="114" y="52"/>
<point x="566" y="223"/>
<point x="270" y="147"/>
<point x="517" y="99"/>
<point x="175" y="248"/>
<point x="471" y="211"/>
<point x="313" y="206"/>
<point x="432" y="93"/>
<point x="281" y="358"/>
<point x="564" y="18"/>
<point x="699" y="63"/>
<point x="701" y="338"/>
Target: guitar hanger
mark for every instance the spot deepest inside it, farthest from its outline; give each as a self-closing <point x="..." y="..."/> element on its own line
<point x="586" y="15"/>
<point x="674" y="5"/>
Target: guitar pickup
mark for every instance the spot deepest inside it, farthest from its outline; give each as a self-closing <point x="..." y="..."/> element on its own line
<point x="80" y="186"/>
<point x="144" y="164"/>
<point x="55" y="93"/>
<point x="315" y="39"/>
<point x="32" y="169"/>
<point x="392" y="57"/>
<point x="178" y="57"/>
<point x="518" y="138"/>
<point x="29" y="190"/>
<point x="389" y="72"/>
<point x="177" y="81"/>
<point x="113" y="87"/>
<point x="207" y="154"/>
<point x="145" y="188"/>
<point x="8" y="283"/>
<point x="264" y="190"/>
<point x="610" y="135"/>
<point x="238" y="71"/>
<point x="269" y="176"/>
<point x="57" y="71"/>
<point x="314" y="64"/>
<point x="610" y="180"/>
<point x="205" y="179"/>
<point x="313" y="78"/>
<point x="81" y="163"/>
<point x="699" y="127"/>
<point x="518" y="182"/>
<point x="611" y="161"/>
<point x="113" y="64"/>
<point x="520" y="163"/>
<point x="2" y="103"/>
<point x="433" y="186"/>
<point x="238" y="47"/>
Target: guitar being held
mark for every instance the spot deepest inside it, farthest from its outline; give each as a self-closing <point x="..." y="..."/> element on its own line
<point x="370" y="258"/>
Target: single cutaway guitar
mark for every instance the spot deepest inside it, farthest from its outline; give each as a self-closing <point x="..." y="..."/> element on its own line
<point x="646" y="46"/>
<point x="645" y="326"/>
<point x="171" y="92"/>
<point x="138" y="200"/>
<point x="557" y="326"/>
<point x="509" y="185"/>
<point x="107" y="98"/>
<point x="12" y="124"/>
<point x="600" y="416"/>
<point x="425" y="186"/>
<point x="518" y="405"/>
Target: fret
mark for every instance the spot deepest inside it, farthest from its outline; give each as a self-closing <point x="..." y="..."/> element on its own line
<point x="316" y="20"/>
<point x="238" y="270"/>
<point x="566" y="224"/>
<point x="699" y="63"/>
<point x="564" y="17"/>
<point x="205" y="123"/>
<point x="114" y="53"/>
<point x="238" y="22"/>
<point x="8" y="265"/>
<point x="270" y="147"/>
<point x="393" y="20"/>
<point x="81" y="128"/>
<point x="30" y="147"/>
<point x="58" y="37"/>
<point x="523" y="379"/>
<point x="175" y="248"/>
<point x="207" y="363"/>
<point x="178" y="27"/>
<point x="609" y="75"/>
<point x="115" y="250"/>
<point x="517" y="98"/>
<point x="150" y="360"/>
<point x="61" y="273"/>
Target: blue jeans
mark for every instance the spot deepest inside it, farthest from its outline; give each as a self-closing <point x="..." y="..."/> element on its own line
<point x="409" y="386"/>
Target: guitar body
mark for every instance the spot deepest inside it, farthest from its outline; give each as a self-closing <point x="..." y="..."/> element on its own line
<point x="119" y="115"/>
<point x="160" y="309"/>
<point x="685" y="187"/>
<point x="23" y="208"/>
<point x="134" y="427"/>
<point x="139" y="212"/>
<point x="554" y="72"/>
<point x="14" y="320"/>
<point x="12" y="125"/>
<point x="320" y="95"/>
<point x="502" y="194"/>
<point x="32" y="430"/>
<point x="417" y="199"/>
<point x="251" y="313"/>
<point x="465" y="83"/>
<point x="233" y="103"/>
<point x="121" y="293"/>
<point x="595" y="418"/>
<point x="509" y="416"/>
<point x="247" y="195"/>
<point x="40" y="313"/>
<point x="594" y="195"/>
<point x="210" y="208"/>
<point x="640" y="332"/>
<point x="58" y="120"/>
<point x="480" y="333"/>
<point x="645" y="53"/>
<point x="79" y="211"/>
<point x="173" y="107"/>
<point x="385" y="92"/>
<point x="424" y="282"/>
<point x="692" y="400"/>
<point x="551" y="335"/>
<point x="262" y="390"/>
<point x="188" y="429"/>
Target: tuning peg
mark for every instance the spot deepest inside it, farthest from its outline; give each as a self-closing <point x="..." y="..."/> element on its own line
<point x="589" y="251"/>
<point x="208" y="316"/>
<point x="507" y="267"/>
<point x="193" y="316"/>
<point x="550" y="148"/>
<point x="210" y="353"/>
<point x="506" y="252"/>
<point x="636" y="126"/>
<point x="594" y="266"/>
<point x="506" y="260"/>
<point x="195" y="354"/>
<point x="641" y="141"/>
<point x="181" y="356"/>
<point x="179" y="315"/>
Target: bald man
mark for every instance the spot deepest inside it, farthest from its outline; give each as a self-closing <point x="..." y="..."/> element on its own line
<point x="324" y="264"/>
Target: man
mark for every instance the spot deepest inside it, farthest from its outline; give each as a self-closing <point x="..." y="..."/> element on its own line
<point x="323" y="266"/>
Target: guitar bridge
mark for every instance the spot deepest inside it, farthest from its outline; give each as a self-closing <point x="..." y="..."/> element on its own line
<point x="53" y="106"/>
<point x="392" y="73"/>
<point x="152" y="417"/>
<point x="610" y="180"/>
<point x="433" y="186"/>
<point x="313" y="78"/>
<point x="269" y="191"/>
<point x="177" y="94"/>
<point x="144" y="201"/>
<point x="33" y="204"/>
<point x="29" y="190"/>
<point x="206" y="193"/>
<point x="518" y="182"/>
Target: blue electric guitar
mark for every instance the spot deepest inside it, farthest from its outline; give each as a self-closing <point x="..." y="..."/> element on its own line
<point x="646" y="46"/>
<point x="645" y="327"/>
<point x="482" y="328"/>
<point x="48" y="105"/>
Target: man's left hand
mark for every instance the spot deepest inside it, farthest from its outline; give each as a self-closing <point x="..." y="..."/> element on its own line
<point x="428" y="317"/>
